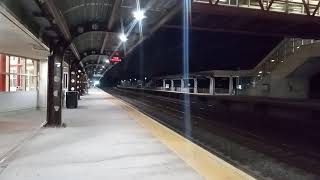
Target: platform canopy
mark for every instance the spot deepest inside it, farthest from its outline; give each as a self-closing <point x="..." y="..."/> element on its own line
<point x="99" y="33"/>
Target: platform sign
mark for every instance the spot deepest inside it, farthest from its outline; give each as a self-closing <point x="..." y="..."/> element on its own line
<point x="115" y="59"/>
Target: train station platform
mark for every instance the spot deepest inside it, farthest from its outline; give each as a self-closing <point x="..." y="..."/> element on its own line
<point x="106" y="138"/>
<point x="17" y="127"/>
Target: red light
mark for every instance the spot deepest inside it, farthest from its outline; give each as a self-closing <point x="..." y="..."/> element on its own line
<point x="116" y="59"/>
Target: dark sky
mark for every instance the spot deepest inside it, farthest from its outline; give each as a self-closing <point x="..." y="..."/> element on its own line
<point x="161" y="54"/>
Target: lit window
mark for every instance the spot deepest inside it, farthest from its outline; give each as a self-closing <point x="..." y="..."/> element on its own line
<point x="31" y="67"/>
<point x="4" y="68"/>
<point x="18" y="74"/>
<point x="31" y="83"/>
<point x="31" y="72"/>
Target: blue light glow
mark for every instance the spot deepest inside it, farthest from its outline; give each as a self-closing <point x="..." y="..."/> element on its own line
<point x="186" y="24"/>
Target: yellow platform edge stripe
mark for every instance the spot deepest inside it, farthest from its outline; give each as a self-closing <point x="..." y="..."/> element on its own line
<point x="206" y="164"/>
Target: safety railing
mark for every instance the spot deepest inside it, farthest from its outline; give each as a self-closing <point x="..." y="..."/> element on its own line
<point x="280" y="54"/>
<point x="260" y="75"/>
<point x="305" y="7"/>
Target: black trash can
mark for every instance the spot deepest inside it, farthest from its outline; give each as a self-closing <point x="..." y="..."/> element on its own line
<point x="72" y="99"/>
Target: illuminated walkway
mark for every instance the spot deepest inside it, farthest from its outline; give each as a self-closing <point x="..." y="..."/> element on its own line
<point x="107" y="139"/>
<point x="18" y="126"/>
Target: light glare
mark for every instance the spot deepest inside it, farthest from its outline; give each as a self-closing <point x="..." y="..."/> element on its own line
<point x="139" y="15"/>
<point x="123" y="38"/>
<point x="96" y="83"/>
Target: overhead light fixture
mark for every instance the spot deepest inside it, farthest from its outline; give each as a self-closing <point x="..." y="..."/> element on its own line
<point x="139" y="15"/>
<point x="272" y="60"/>
<point x="260" y="72"/>
<point x="123" y="37"/>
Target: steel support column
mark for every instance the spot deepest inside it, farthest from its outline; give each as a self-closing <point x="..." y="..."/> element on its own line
<point x="164" y="84"/>
<point x="182" y="85"/>
<point x="237" y="85"/>
<point x="172" y="85"/>
<point x="212" y="86"/>
<point x="54" y="102"/>
<point x="230" y="85"/>
<point x="195" y="85"/>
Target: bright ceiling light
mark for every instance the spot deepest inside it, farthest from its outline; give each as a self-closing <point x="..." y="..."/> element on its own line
<point x="139" y="15"/>
<point x="123" y="37"/>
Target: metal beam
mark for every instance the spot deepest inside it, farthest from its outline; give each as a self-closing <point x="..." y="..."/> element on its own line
<point x="90" y="65"/>
<point x="306" y="7"/>
<point x="162" y="21"/>
<point x="261" y="4"/>
<point x="113" y="17"/>
<point x="316" y="9"/>
<point x="207" y="9"/>
<point x="61" y="23"/>
<point x="85" y="58"/>
<point x="194" y="28"/>
<point x="270" y="4"/>
<point x="116" y="6"/>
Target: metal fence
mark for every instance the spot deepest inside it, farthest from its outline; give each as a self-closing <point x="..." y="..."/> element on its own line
<point x="280" y="54"/>
<point x="304" y="7"/>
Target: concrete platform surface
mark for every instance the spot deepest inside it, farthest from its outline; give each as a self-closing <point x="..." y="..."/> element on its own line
<point x="18" y="126"/>
<point x="101" y="141"/>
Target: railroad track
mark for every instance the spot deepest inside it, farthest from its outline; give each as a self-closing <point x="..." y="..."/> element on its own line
<point x="170" y="112"/>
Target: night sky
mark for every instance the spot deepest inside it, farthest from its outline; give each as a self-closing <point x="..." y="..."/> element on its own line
<point x="161" y="54"/>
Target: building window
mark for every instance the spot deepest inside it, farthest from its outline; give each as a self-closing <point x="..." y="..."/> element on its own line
<point x="32" y="75"/>
<point x="18" y="74"/>
<point x="4" y="77"/>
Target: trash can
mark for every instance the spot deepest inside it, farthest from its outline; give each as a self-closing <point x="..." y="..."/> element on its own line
<point x="72" y="99"/>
